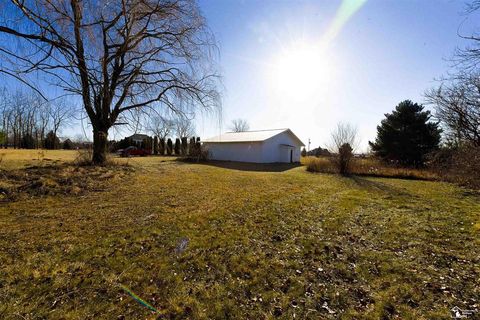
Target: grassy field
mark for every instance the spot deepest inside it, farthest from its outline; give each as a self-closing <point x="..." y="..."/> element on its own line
<point x="219" y="241"/>
<point x="20" y="158"/>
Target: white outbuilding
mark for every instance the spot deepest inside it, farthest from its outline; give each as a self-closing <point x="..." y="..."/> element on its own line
<point x="262" y="146"/>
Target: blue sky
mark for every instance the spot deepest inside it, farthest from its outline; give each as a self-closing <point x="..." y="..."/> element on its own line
<point x="386" y="52"/>
<point x="292" y="64"/>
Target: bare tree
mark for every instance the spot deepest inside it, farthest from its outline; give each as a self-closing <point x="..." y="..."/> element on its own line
<point x="60" y="114"/>
<point x="343" y="133"/>
<point x="239" y="125"/>
<point x="457" y="99"/>
<point x="118" y="56"/>
<point x="5" y="117"/>
<point x="160" y="126"/>
<point x="17" y="118"/>
<point x="457" y="106"/>
<point x="43" y="121"/>
<point x="184" y="127"/>
<point x="344" y="142"/>
<point x="26" y="117"/>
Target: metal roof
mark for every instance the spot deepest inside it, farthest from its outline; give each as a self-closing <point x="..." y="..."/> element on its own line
<point x="249" y="136"/>
<point x="139" y="136"/>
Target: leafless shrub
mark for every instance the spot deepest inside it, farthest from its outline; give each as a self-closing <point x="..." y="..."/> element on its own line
<point x="84" y="157"/>
<point x="198" y="154"/>
<point x="460" y="165"/>
<point x="344" y="141"/>
<point x="40" y="155"/>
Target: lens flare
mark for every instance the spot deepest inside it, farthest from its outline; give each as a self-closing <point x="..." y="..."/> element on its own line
<point x="303" y="69"/>
<point x="346" y="10"/>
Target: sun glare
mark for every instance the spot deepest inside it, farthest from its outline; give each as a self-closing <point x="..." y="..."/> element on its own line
<point x="300" y="72"/>
<point x="303" y="70"/>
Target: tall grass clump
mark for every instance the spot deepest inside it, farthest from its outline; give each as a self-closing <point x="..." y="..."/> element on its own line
<point x="319" y="164"/>
<point x="372" y="166"/>
<point x="368" y="166"/>
<point x="84" y="157"/>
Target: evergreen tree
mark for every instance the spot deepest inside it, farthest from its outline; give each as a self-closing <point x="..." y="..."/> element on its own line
<point x="27" y="141"/>
<point x="198" y="146"/>
<point x="406" y="135"/>
<point x="184" y="146"/>
<point x="3" y="139"/>
<point x="51" y="141"/>
<point x="147" y="144"/>
<point x="191" y="146"/>
<point x="169" y="147"/>
<point x="161" y="147"/>
<point x="304" y="152"/>
<point x="68" y="144"/>
<point x="177" y="147"/>
<point x="155" y="145"/>
<point x="124" y="143"/>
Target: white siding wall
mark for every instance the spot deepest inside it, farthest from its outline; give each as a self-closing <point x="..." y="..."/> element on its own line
<point x="274" y="152"/>
<point x="235" y="151"/>
<point x="268" y="151"/>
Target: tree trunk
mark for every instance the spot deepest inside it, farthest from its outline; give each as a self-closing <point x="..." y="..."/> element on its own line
<point x="100" y="141"/>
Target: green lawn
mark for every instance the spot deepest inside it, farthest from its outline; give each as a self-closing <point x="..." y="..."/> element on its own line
<point x="200" y="241"/>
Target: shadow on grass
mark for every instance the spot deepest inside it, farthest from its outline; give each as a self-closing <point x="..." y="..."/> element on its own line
<point x="361" y="181"/>
<point x="246" y="166"/>
<point x="403" y="176"/>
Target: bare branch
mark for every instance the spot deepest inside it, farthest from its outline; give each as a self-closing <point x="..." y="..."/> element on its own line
<point x="119" y="56"/>
<point x="239" y="125"/>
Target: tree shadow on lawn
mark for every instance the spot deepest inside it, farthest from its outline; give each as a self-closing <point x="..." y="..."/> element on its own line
<point x="363" y="182"/>
<point x="247" y="166"/>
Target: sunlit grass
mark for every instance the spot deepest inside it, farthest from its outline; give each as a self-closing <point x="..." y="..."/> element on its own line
<point x="19" y="158"/>
<point x="259" y="245"/>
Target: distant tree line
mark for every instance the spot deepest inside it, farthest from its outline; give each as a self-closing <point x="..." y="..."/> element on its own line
<point x="163" y="146"/>
<point x="28" y="121"/>
<point x="316" y="152"/>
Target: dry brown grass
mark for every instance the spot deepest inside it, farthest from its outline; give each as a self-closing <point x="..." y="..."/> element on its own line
<point x="21" y="158"/>
<point x="11" y="159"/>
<point x="319" y="164"/>
<point x="203" y="241"/>
<point x="37" y="173"/>
<point x="64" y="179"/>
<point x="368" y="167"/>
